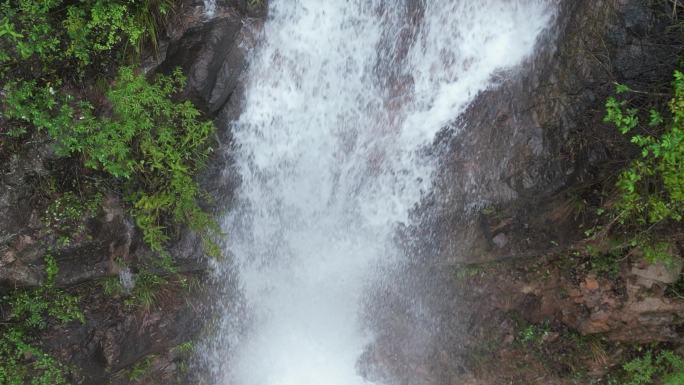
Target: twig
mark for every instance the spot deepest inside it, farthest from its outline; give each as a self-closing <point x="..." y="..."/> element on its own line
<point x="644" y="92"/>
<point x="676" y="293"/>
<point x="674" y="10"/>
<point x="8" y="237"/>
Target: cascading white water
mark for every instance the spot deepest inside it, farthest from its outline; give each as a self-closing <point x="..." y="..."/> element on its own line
<point x="342" y="97"/>
<point x="209" y="8"/>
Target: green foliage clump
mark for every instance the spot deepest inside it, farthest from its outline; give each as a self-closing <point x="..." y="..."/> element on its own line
<point x="65" y="215"/>
<point x="131" y="135"/>
<point x="99" y="28"/>
<point x="657" y="252"/>
<point x="185" y="347"/>
<point x="111" y="286"/>
<point x="34" y="307"/>
<point x="23" y="363"/>
<point x="652" y="187"/>
<point x="533" y="334"/>
<point x="141" y="368"/>
<point x="152" y="144"/>
<point x="26" y="30"/>
<point x="144" y="293"/>
<point x="28" y="103"/>
<point x="606" y="263"/>
<point x="54" y="35"/>
<point x="146" y="290"/>
<point x="31" y="311"/>
<point x="666" y="366"/>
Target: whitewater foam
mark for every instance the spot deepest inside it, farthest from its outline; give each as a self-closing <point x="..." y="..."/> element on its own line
<point x="342" y="97"/>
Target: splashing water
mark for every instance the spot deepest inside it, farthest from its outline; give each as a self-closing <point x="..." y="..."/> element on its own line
<point x="209" y="8"/>
<point x="342" y="99"/>
<point x="126" y="279"/>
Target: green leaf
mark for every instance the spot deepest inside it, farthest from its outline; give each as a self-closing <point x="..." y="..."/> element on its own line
<point x="621" y="88"/>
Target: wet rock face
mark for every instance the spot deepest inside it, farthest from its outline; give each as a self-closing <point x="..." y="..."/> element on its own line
<point x="508" y="170"/>
<point x="116" y="339"/>
<point x="623" y="310"/>
<point x="477" y="312"/>
<point x="110" y="237"/>
<point x="211" y="51"/>
<point x="522" y="146"/>
<point x="637" y="315"/>
<point x="16" y="177"/>
<point x="210" y="55"/>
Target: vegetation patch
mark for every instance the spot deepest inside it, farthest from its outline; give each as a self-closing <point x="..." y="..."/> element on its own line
<point x="59" y="40"/>
<point x="665" y="366"/>
<point x="69" y="72"/>
<point x="651" y="189"/>
<point x="141" y="368"/>
<point x="148" y="288"/>
<point x="64" y="217"/>
<point x="29" y="312"/>
<point x="133" y="133"/>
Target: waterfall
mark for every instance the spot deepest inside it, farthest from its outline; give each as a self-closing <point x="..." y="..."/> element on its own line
<point x="209" y="8"/>
<point x="343" y="100"/>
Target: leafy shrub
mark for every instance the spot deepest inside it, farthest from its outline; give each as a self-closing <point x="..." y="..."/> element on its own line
<point x="141" y="368"/>
<point x="667" y="366"/>
<point x="26" y="30"/>
<point x="155" y="144"/>
<point x="33" y="307"/>
<point x="151" y="143"/>
<point x="112" y="286"/>
<point x="99" y="26"/>
<point x="138" y="138"/>
<point x="652" y="187"/>
<point x="29" y="103"/>
<point x="31" y="310"/>
<point x="606" y="263"/>
<point x="52" y="35"/>
<point x="16" y="369"/>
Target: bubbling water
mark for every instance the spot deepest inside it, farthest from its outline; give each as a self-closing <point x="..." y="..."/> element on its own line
<point x="209" y="8"/>
<point x="341" y="101"/>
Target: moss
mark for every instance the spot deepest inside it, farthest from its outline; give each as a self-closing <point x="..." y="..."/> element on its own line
<point x="141" y="368"/>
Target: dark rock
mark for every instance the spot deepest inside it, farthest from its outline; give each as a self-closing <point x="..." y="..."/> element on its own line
<point x="211" y="53"/>
<point x="16" y="187"/>
<point x="211" y="57"/>
<point x="524" y="145"/>
<point x="116" y="338"/>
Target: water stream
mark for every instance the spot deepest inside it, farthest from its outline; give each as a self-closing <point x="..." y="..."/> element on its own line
<point x="343" y="98"/>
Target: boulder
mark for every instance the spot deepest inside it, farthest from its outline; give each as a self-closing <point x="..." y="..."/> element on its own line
<point x="660" y="272"/>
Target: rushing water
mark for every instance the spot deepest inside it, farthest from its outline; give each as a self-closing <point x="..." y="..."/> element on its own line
<point x="209" y="8"/>
<point x="343" y="97"/>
